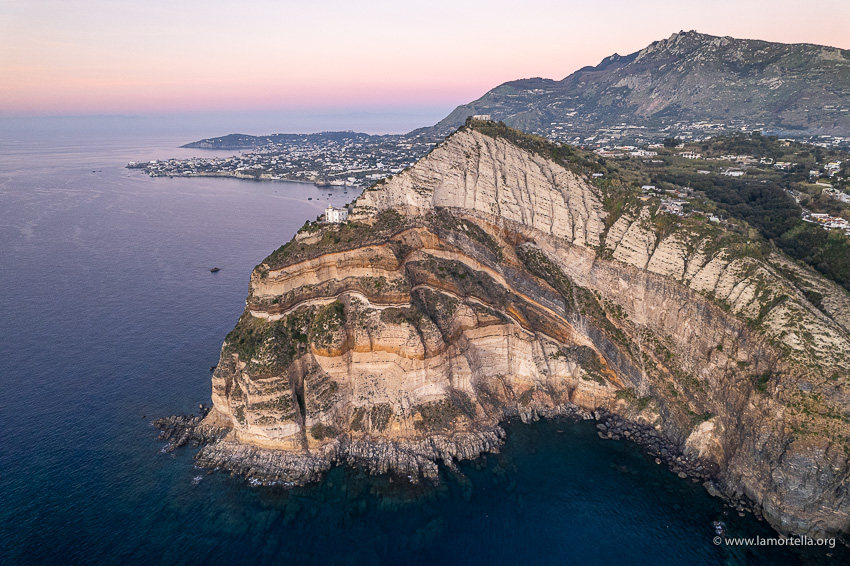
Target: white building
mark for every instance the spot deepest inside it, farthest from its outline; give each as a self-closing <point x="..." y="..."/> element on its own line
<point x="485" y="117"/>
<point x="691" y="155"/>
<point x="643" y="153"/>
<point x="336" y="215"/>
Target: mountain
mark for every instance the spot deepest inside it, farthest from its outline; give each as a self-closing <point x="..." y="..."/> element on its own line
<point x="684" y="83"/>
<point x="499" y="278"/>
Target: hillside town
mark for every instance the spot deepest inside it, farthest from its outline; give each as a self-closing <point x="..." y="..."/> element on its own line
<point x="827" y="180"/>
<point x="640" y="135"/>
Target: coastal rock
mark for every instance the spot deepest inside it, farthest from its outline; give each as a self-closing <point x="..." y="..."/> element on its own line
<point x="491" y="281"/>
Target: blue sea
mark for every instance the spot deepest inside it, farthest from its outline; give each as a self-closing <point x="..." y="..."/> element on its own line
<point x="110" y="318"/>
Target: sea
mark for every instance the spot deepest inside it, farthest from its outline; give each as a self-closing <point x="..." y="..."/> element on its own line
<point x="110" y="318"/>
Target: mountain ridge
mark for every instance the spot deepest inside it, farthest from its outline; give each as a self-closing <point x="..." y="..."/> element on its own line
<point x="679" y="81"/>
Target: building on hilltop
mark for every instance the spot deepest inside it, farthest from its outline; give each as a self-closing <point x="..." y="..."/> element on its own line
<point x="335" y="215"/>
<point x="484" y="117"/>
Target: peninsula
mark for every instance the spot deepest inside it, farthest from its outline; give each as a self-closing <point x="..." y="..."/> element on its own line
<point x="506" y="276"/>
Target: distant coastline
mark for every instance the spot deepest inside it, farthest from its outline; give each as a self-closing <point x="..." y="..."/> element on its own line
<point x="242" y="176"/>
<point x="343" y="159"/>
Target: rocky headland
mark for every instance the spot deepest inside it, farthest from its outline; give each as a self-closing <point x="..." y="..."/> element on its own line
<point x="495" y="279"/>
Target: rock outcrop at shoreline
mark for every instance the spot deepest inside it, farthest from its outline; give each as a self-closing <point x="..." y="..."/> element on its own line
<point x="494" y="280"/>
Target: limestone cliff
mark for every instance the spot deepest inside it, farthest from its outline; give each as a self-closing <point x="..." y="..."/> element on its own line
<point x="494" y="279"/>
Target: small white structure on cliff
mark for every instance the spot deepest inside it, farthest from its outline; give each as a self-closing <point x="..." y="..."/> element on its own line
<point x="336" y="215"/>
<point x="484" y="117"/>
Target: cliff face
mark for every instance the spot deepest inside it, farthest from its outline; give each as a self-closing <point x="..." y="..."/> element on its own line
<point x="491" y="281"/>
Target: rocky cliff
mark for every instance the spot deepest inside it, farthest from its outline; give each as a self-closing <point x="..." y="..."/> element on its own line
<point x="494" y="279"/>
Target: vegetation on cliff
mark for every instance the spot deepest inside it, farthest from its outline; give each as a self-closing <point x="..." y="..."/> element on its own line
<point x="762" y="199"/>
<point x="405" y="336"/>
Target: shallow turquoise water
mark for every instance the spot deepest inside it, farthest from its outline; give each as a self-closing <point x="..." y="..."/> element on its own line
<point x="109" y="318"/>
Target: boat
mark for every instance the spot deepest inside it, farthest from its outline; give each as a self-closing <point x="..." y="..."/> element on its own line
<point x="215" y="270"/>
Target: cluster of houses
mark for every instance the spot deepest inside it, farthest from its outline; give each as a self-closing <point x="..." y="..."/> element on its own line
<point x="835" y="194"/>
<point x="669" y="205"/>
<point x="675" y="207"/>
<point x="578" y="130"/>
<point x="741" y="161"/>
<point x="349" y="159"/>
<point x="829" y="222"/>
<point x="673" y="201"/>
<point x="624" y="151"/>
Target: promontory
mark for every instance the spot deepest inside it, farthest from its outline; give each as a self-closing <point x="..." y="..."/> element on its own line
<point x="503" y="276"/>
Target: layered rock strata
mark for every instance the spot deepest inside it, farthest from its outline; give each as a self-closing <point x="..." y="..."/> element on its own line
<point x="494" y="279"/>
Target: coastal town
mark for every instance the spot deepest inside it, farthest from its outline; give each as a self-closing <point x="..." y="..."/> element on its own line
<point x="811" y="174"/>
<point x="358" y="160"/>
<point x="336" y="158"/>
<point x="818" y="182"/>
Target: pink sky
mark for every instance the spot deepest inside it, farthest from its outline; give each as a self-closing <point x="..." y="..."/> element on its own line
<point x="114" y="56"/>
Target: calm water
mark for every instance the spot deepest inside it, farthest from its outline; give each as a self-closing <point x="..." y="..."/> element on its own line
<point x="109" y="317"/>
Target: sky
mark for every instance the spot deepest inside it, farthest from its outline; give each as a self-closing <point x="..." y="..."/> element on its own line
<point x="83" y="57"/>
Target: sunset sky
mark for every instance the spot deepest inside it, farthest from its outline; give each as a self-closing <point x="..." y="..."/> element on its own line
<point x="72" y="57"/>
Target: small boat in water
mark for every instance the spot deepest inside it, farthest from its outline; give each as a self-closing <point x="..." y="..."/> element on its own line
<point x="215" y="270"/>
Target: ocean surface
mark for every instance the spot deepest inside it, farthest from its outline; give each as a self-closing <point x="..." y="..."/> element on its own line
<point x="110" y="317"/>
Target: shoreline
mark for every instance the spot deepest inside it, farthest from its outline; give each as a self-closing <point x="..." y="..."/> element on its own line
<point x="419" y="460"/>
<point x="230" y="175"/>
